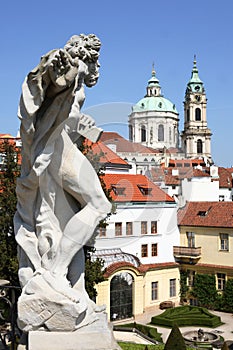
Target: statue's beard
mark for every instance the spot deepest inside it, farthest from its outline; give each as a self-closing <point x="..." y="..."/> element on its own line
<point x="91" y="80"/>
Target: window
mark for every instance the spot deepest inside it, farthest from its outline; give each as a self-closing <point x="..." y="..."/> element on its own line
<point x="118" y="228"/>
<point x="221" y="278"/>
<point x="146" y="191"/>
<point x="154" y="249"/>
<point x="161" y="133"/>
<point x="154" y="290"/>
<point x="119" y="191"/>
<point x="144" y="250"/>
<point x="188" y="115"/>
<point x="221" y="198"/>
<point x="130" y="133"/>
<point x="129" y="228"/>
<point x="153" y="227"/>
<point x="102" y="231"/>
<point x="197" y="114"/>
<point x="143" y="133"/>
<point x="224" y="241"/>
<point x="191" y="239"/>
<point x="144" y="227"/>
<point x="172" y="287"/>
<point x="199" y="146"/>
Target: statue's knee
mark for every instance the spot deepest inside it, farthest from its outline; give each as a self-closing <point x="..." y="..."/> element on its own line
<point x="25" y="274"/>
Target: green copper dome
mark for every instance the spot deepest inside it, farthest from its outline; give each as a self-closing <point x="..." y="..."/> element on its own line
<point x="154" y="100"/>
<point x="154" y="103"/>
<point x="195" y="84"/>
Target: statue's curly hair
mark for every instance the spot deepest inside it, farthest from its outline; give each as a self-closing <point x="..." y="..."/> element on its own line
<point x="88" y="46"/>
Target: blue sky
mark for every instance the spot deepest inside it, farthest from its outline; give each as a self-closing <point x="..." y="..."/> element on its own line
<point x="134" y="34"/>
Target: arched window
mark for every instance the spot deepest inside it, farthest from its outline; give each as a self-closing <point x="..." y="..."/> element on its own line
<point x="161" y="132"/>
<point x="198" y="114"/>
<point x="121" y="296"/>
<point x="199" y="146"/>
<point x="143" y="133"/>
<point x="188" y="115"/>
<point x="130" y="133"/>
<point x="170" y="134"/>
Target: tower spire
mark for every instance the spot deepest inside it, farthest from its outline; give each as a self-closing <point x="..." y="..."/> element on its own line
<point x="153" y="69"/>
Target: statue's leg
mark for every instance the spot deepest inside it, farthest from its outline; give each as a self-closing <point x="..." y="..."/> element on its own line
<point x="74" y="173"/>
<point x="26" y="269"/>
<point x="77" y="177"/>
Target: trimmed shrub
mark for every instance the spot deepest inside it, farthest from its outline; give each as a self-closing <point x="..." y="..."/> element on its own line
<point x="186" y="316"/>
<point x="147" y="330"/>
<point x="175" y="340"/>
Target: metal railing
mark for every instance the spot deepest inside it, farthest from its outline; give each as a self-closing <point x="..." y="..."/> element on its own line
<point x="9" y="331"/>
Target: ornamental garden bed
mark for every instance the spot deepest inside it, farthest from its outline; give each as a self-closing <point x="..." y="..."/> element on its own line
<point x="187" y="316"/>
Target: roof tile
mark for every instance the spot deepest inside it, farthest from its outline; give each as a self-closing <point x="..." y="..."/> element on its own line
<point x="206" y="214"/>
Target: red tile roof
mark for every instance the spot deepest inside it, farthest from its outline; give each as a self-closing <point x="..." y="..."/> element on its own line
<point x="134" y="188"/>
<point x="143" y="268"/>
<point x="166" y="174"/>
<point x="6" y="136"/>
<point x="106" y="154"/>
<point x="206" y="214"/>
<point x="225" y="177"/>
<point x="123" y="145"/>
<point x="214" y="266"/>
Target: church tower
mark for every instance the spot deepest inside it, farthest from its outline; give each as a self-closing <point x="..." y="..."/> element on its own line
<point x="196" y="137"/>
<point x="154" y="120"/>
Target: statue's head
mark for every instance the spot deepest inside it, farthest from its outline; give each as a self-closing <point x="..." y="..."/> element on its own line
<point x="86" y="48"/>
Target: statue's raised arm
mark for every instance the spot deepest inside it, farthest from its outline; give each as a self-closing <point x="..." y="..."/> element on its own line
<point x="60" y="199"/>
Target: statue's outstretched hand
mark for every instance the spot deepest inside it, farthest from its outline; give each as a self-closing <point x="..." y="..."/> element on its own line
<point x="63" y="69"/>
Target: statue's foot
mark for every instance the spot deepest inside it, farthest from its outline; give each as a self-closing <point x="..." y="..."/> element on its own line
<point x="62" y="286"/>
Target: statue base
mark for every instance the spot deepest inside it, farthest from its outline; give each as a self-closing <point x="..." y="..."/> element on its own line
<point x="96" y="336"/>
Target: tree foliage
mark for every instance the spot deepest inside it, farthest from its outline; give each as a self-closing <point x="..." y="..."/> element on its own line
<point x="175" y="341"/>
<point x="227" y="298"/>
<point x="8" y="246"/>
<point x="204" y="289"/>
<point x="94" y="272"/>
<point x="183" y="285"/>
<point x="94" y="269"/>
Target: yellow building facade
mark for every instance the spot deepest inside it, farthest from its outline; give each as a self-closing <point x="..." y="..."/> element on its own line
<point x="149" y="286"/>
<point x="206" y="240"/>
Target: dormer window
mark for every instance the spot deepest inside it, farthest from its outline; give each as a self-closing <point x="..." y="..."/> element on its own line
<point x="202" y="213"/>
<point x="119" y="191"/>
<point x="146" y="191"/>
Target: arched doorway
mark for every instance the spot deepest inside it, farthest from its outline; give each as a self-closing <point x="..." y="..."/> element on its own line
<point x="121" y="296"/>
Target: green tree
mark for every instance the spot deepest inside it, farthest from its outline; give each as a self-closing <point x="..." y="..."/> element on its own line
<point x="8" y="174"/>
<point x="227" y="298"/>
<point x="94" y="269"/>
<point x="183" y="285"/>
<point x="175" y="341"/>
<point x="94" y="272"/>
<point x="204" y="289"/>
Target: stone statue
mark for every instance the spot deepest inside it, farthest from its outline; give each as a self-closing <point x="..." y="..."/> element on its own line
<point x="60" y="199"/>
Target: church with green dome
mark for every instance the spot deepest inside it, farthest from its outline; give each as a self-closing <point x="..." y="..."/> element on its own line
<point x="154" y="120"/>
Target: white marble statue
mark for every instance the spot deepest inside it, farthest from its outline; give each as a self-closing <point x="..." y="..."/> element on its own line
<point x="60" y="199"/>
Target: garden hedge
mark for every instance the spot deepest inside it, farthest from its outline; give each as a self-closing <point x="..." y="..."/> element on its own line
<point x="186" y="316"/>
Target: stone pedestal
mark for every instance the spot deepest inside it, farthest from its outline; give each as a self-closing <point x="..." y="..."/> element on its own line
<point x="97" y="336"/>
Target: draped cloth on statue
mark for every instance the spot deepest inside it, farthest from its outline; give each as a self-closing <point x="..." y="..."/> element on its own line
<point x="60" y="199"/>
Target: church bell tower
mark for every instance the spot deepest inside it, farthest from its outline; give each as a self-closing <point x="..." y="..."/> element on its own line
<point x="196" y="137"/>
